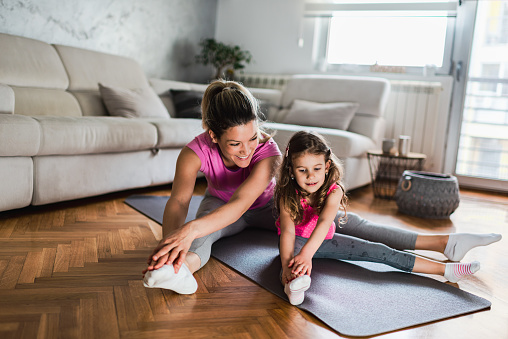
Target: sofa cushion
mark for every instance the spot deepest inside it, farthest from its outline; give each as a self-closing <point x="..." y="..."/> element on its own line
<point x="337" y="88"/>
<point x="91" y="103"/>
<point x="140" y="102"/>
<point x="187" y="103"/>
<point x="336" y="115"/>
<point x="41" y="101"/>
<point x="162" y="87"/>
<point x="19" y="135"/>
<point x="86" y="68"/>
<point x="30" y="63"/>
<point x="176" y="132"/>
<point x="84" y="135"/>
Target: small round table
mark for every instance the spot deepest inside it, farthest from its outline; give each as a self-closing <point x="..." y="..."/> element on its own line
<point x="386" y="169"/>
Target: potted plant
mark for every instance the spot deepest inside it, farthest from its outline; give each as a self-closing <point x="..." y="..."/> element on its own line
<point x="224" y="58"/>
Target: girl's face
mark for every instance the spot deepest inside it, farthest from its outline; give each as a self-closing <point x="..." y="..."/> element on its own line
<point x="310" y="171"/>
<point x="238" y="144"/>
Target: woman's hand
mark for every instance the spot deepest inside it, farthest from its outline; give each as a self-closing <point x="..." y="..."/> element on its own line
<point x="301" y="264"/>
<point x="172" y="249"/>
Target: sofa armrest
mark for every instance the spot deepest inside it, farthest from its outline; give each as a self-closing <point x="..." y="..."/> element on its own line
<point x="369" y="126"/>
<point x="6" y="99"/>
<point x="345" y="144"/>
<point x="20" y="136"/>
<point x="270" y="100"/>
<point x="162" y="86"/>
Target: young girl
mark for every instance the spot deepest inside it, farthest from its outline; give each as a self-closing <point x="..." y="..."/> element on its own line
<point x="308" y="197"/>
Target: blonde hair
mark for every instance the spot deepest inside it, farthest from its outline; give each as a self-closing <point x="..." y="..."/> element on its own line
<point x="288" y="193"/>
<point x="228" y="104"/>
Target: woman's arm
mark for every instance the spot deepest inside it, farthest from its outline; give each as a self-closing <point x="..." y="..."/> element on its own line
<point x="173" y="248"/>
<point x="286" y="245"/>
<point x="175" y="212"/>
<point x="243" y="198"/>
<point x="303" y="261"/>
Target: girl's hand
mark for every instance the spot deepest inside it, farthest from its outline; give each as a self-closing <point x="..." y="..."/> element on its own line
<point x="287" y="276"/>
<point x="172" y="249"/>
<point x="301" y="264"/>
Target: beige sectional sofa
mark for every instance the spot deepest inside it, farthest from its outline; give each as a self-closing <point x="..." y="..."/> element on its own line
<point x="58" y="141"/>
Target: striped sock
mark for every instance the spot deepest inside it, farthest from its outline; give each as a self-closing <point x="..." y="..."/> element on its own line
<point x="456" y="271"/>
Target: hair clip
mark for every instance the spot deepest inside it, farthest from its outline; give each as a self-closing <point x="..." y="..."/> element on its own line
<point x="227" y="88"/>
<point x="287" y="150"/>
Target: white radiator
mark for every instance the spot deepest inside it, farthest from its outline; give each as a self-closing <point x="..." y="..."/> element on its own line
<point x="260" y="80"/>
<point x="416" y="108"/>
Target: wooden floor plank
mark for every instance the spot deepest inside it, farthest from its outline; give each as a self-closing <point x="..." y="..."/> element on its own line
<point x="11" y="273"/>
<point x="31" y="267"/>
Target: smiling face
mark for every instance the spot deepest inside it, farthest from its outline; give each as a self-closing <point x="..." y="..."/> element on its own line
<point x="310" y="171"/>
<point x="238" y="144"/>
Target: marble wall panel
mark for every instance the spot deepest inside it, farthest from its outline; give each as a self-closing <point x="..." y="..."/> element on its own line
<point x="162" y="35"/>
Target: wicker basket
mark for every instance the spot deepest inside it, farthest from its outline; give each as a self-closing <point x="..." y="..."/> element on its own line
<point x="427" y="195"/>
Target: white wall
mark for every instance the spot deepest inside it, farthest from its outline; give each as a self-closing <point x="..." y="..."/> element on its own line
<point x="161" y="35"/>
<point x="269" y="29"/>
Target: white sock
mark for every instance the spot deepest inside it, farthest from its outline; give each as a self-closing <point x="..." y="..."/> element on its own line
<point x="460" y="243"/>
<point x="296" y="288"/>
<point x="165" y="277"/>
<point x="456" y="271"/>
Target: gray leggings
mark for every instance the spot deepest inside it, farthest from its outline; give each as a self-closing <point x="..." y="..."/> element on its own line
<point x="260" y="217"/>
<point x="358" y="239"/>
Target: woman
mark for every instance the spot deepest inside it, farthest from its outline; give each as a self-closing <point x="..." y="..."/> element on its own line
<point x="239" y="162"/>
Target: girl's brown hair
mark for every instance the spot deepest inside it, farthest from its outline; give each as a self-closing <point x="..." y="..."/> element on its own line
<point x="228" y="104"/>
<point x="288" y="193"/>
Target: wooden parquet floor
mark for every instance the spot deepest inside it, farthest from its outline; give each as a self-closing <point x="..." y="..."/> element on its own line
<point x="73" y="270"/>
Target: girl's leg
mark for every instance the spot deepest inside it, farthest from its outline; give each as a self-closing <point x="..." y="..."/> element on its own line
<point x="453" y="272"/>
<point x="361" y="228"/>
<point x="343" y="247"/>
<point x="454" y="246"/>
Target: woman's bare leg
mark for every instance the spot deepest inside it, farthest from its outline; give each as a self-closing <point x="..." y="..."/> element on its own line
<point x="192" y="261"/>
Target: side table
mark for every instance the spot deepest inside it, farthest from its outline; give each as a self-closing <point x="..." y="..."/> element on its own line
<point x="386" y="169"/>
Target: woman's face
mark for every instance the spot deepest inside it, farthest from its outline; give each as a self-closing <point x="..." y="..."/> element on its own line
<point x="238" y="144"/>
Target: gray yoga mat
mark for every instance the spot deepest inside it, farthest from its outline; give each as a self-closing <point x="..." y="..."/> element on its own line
<point x="353" y="298"/>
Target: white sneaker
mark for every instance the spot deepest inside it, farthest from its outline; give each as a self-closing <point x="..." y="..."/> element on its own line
<point x="296" y="288"/>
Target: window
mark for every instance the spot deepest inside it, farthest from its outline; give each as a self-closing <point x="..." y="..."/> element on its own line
<point x="497" y="25"/>
<point x="361" y="34"/>
<point x="489" y="71"/>
<point x="483" y="144"/>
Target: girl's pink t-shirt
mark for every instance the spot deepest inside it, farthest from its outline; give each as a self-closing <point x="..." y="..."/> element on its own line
<point x="310" y="219"/>
<point x="223" y="181"/>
